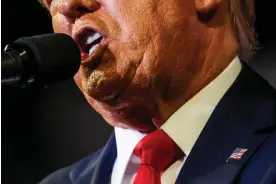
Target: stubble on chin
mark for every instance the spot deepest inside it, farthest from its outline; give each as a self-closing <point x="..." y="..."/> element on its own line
<point x="91" y="83"/>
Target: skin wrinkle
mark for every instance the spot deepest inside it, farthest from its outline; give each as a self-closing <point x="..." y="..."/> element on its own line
<point x="203" y="67"/>
<point x="211" y="68"/>
<point x="170" y="82"/>
<point x="204" y="63"/>
<point x="168" y="75"/>
<point x="135" y="72"/>
<point x="159" y="54"/>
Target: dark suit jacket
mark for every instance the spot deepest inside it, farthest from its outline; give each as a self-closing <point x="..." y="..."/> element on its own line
<point x="244" y="118"/>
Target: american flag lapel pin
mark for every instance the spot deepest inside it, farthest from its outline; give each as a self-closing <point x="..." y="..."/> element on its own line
<point x="237" y="154"/>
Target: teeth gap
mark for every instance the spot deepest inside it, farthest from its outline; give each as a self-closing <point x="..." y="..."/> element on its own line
<point x="92" y="44"/>
<point x="88" y="39"/>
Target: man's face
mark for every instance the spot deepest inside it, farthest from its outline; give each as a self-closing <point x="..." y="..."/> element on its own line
<point x="141" y="45"/>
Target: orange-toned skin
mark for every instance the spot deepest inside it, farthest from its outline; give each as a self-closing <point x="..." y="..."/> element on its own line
<point x="159" y="53"/>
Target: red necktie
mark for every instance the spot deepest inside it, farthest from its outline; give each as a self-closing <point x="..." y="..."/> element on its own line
<point x="157" y="152"/>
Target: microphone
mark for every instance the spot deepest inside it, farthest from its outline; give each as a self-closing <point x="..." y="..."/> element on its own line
<point x="40" y="59"/>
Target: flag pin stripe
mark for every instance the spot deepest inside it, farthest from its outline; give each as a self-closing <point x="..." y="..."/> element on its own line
<point x="237" y="154"/>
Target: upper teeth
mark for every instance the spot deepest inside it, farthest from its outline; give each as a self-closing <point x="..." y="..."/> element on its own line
<point x="92" y="38"/>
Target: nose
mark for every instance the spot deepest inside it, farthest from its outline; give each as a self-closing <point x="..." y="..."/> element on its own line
<point x="76" y="8"/>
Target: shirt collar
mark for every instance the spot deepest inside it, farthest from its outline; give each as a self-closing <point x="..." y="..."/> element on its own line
<point x="126" y="140"/>
<point x="185" y="125"/>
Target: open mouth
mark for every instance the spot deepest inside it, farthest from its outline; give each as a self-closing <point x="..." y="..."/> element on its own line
<point x="92" y="42"/>
<point x="90" y="45"/>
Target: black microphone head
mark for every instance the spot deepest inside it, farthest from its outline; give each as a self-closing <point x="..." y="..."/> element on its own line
<point x="55" y="56"/>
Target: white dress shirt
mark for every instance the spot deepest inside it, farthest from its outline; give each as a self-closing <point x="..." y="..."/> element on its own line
<point x="184" y="127"/>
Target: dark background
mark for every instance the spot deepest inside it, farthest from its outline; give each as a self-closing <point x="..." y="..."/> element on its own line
<point x="44" y="129"/>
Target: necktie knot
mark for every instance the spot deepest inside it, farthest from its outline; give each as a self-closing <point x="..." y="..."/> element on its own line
<point x="157" y="152"/>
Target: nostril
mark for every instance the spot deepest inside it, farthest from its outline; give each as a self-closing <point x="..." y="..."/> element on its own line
<point x="82" y="10"/>
<point x="75" y="8"/>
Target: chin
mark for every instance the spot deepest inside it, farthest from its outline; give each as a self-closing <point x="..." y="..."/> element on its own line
<point x="119" y="102"/>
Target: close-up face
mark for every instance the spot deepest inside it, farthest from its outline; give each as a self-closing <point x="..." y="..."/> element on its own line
<point x="130" y="51"/>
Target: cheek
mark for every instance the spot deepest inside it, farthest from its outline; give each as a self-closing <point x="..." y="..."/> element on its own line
<point x="127" y="13"/>
<point x="61" y="24"/>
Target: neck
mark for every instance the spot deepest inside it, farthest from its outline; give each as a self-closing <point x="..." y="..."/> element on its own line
<point x="216" y="50"/>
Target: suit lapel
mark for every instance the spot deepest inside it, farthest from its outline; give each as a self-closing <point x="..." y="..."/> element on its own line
<point x="101" y="169"/>
<point x="234" y="123"/>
